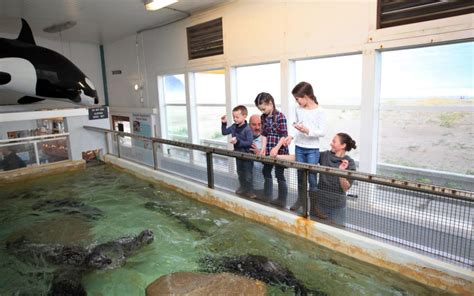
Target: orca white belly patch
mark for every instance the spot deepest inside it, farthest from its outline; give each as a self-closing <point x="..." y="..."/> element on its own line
<point x="22" y="75"/>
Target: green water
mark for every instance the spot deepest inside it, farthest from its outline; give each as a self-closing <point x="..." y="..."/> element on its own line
<point x="185" y="231"/>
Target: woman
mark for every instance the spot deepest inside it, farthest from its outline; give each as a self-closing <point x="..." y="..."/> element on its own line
<point x="331" y="192"/>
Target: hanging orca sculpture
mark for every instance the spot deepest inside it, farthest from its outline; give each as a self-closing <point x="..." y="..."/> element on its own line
<point x="38" y="73"/>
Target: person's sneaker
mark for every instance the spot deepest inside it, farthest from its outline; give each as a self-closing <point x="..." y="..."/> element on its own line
<point x="251" y="195"/>
<point x="240" y="191"/>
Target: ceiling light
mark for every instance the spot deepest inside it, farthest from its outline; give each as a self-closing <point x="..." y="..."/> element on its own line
<point x="60" y="27"/>
<point x="157" y="4"/>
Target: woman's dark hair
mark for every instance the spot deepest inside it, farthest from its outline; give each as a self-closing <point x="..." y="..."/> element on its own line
<point x="304" y="89"/>
<point x="266" y="98"/>
<point x="346" y="139"/>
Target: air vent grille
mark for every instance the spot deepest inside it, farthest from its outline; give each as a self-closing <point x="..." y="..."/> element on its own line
<point x="205" y="40"/>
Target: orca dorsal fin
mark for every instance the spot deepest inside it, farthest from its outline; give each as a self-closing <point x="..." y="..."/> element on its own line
<point x="25" y="34"/>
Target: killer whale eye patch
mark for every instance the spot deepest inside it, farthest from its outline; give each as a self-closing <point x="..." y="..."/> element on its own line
<point x="5" y="78"/>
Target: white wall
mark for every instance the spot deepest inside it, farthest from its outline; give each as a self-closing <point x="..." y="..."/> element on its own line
<point x="86" y="56"/>
<point x="265" y="31"/>
<point x="80" y="139"/>
<point x="16" y="126"/>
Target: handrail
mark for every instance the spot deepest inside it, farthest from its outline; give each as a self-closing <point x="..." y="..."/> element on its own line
<point x="370" y="178"/>
<point x="30" y="139"/>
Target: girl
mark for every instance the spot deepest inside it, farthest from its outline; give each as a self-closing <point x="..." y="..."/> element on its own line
<point x="306" y="131"/>
<point x="274" y="132"/>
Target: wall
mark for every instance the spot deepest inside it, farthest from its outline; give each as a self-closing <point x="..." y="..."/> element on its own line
<point x="16" y="126"/>
<point x="85" y="56"/>
<point x="267" y="31"/>
<point x="80" y="139"/>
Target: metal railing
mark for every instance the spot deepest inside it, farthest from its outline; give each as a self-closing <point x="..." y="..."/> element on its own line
<point x="38" y="150"/>
<point x="433" y="220"/>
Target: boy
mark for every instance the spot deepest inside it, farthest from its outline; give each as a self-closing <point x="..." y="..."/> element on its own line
<point x="242" y="138"/>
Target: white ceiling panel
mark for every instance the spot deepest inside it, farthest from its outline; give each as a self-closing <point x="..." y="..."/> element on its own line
<point x="98" y="21"/>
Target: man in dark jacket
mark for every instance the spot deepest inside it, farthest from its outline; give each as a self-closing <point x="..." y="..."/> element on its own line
<point x="10" y="160"/>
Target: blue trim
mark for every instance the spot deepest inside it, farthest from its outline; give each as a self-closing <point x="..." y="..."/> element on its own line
<point x="104" y="74"/>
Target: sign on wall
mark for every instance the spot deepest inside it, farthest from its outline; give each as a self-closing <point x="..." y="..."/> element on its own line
<point x="98" y="113"/>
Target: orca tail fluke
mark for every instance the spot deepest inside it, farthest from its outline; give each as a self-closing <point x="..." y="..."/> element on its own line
<point x="25" y="34"/>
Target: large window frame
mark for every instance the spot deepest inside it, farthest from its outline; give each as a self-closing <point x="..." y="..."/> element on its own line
<point x="338" y="107"/>
<point x="412" y="170"/>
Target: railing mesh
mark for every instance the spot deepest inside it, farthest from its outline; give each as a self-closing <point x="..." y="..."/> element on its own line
<point x="429" y="221"/>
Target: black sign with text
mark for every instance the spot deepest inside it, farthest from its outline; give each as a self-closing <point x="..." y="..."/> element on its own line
<point x="98" y="113"/>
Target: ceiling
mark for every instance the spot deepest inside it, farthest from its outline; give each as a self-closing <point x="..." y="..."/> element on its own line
<point x="98" y="21"/>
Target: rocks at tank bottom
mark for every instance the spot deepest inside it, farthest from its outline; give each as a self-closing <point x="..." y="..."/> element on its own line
<point x="168" y="211"/>
<point x="69" y="207"/>
<point x="65" y="230"/>
<point x="67" y="282"/>
<point x="259" y="268"/>
<point x="191" y="283"/>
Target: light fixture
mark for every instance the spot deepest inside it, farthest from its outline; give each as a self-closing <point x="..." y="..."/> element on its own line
<point x="60" y="27"/>
<point x="157" y="4"/>
<point x="137" y="87"/>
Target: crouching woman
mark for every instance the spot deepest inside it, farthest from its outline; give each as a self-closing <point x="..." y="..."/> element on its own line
<point x="331" y="193"/>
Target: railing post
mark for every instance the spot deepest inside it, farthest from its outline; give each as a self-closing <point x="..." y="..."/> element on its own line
<point x="35" y="145"/>
<point x="304" y="192"/>
<point x="118" y="146"/>
<point x="210" y="170"/>
<point x="107" y="142"/>
<point x="155" y="157"/>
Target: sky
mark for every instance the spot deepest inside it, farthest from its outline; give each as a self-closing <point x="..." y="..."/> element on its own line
<point x="442" y="71"/>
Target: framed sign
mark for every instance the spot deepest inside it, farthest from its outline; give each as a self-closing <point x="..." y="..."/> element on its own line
<point x="98" y="113"/>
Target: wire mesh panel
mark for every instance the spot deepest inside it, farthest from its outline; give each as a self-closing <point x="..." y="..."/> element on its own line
<point x="180" y="161"/>
<point x="425" y="222"/>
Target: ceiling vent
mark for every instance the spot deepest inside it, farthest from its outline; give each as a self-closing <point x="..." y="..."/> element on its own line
<point x="400" y="12"/>
<point x="205" y="40"/>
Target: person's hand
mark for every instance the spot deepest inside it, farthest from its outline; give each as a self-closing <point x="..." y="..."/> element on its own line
<point x="233" y="140"/>
<point x="288" y="140"/>
<point x="254" y="149"/>
<point x="274" y="151"/>
<point x="344" y="164"/>
<point x="224" y="119"/>
<point x="263" y="151"/>
<point x="300" y="127"/>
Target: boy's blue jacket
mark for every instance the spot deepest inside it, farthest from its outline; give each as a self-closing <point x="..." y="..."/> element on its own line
<point x="243" y="134"/>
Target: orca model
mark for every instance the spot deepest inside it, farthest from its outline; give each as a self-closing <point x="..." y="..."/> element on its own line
<point x="38" y="73"/>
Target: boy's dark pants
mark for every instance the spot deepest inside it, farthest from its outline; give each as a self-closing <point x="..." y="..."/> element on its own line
<point x="245" y="172"/>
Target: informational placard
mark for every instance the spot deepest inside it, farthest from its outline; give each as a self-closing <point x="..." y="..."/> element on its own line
<point x="98" y="113"/>
<point x="141" y="124"/>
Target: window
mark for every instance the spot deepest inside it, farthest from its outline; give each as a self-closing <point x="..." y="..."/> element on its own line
<point x="211" y="105"/>
<point x="336" y="83"/>
<point x="427" y="111"/>
<point x="175" y="107"/>
<point x="251" y="80"/>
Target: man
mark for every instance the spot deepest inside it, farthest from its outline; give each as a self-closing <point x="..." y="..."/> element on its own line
<point x="10" y="160"/>
<point x="255" y="124"/>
